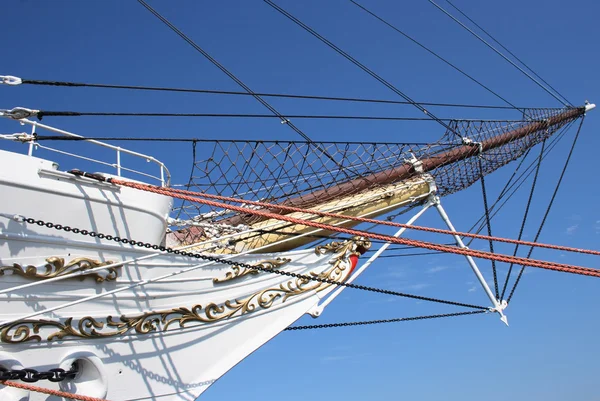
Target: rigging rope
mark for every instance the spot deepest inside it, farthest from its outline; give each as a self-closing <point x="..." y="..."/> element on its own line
<point x="57" y="393"/>
<point x="537" y="235"/>
<point x="190" y="195"/>
<point x="489" y="227"/>
<point x="272" y="109"/>
<point x="522" y="178"/>
<point x="223" y="69"/>
<point x="262" y="94"/>
<point x="381" y="321"/>
<point x="204" y="140"/>
<point x="402" y="241"/>
<point x="51" y="113"/>
<point x="497" y="51"/>
<point x="512" y="106"/>
<point x="508" y="51"/>
<point x="525" y="215"/>
<point x="208" y="258"/>
<point x="360" y="65"/>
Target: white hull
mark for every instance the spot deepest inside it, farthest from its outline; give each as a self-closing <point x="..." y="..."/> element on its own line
<point x="213" y="325"/>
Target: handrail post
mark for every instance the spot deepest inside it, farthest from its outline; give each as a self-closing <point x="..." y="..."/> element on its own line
<point x="31" y="142"/>
<point x="119" y="161"/>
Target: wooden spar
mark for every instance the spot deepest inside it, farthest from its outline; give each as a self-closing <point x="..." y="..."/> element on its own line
<point x="406" y="170"/>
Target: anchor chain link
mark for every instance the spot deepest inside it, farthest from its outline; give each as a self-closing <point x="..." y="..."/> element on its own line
<point x="29" y="375"/>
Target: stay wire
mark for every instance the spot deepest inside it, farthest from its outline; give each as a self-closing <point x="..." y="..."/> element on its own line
<point x="205" y="140"/>
<point x="517" y="186"/>
<point x="508" y="186"/>
<point x="262" y="94"/>
<point x="283" y="119"/>
<point x="489" y="225"/>
<point x="361" y="66"/>
<point x="512" y="106"/>
<point x="508" y="51"/>
<point x="52" y="113"/>
<point x="562" y="174"/>
<point x="221" y="67"/>
<point x="381" y="321"/>
<point x="525" y="215"/>
<point x="230" y="262"/>
<point x="497" y="52"/>
<point x="525" y="175"/>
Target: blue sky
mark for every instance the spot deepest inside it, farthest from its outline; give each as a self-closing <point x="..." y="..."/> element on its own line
<point x="550" y="350"/>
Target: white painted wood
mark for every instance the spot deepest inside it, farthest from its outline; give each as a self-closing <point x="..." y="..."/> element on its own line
<point x="177" y="363"/>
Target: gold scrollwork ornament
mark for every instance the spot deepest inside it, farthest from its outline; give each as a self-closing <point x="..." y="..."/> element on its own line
<point x="91" y="328"/>
<point x="238" y="272"/>
<point x="56" y="267"/>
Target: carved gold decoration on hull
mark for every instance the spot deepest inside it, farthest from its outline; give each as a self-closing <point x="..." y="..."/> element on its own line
<point x="238" y="272"/>
<point x="56" y="267"/>
<point x="91" y="328"/>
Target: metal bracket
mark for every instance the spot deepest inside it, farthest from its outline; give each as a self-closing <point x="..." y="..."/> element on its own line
<point x="498" y="306"/>
<point x="589" y="106"/>
<point x="469" y="142"/>
<point x="500" y="309"/>
<point x="19" y="137"/>
<point x="15" y="217"/>
<point x="416" y="163"/>
<point x="10" y="80"/>
<point x="18" y="113"/>
<point x="316" y="310"/>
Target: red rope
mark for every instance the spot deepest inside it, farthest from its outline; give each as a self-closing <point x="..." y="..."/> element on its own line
<point x="57" y="393"/>
<point x="401" y="241"/>
<point x="361" y="219"/>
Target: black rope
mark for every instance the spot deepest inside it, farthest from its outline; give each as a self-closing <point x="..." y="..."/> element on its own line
<point x="222" y="68"/>
<point x="537" y="235"/>
<point x="205" y="140"/>
<point x="48" y="113"/>
<point x="512" y="106"/>
<point x="381" y="321"/>
<point x="497" y="51"/>
<point x="216" y="259"/>
<point x="489" y="226"/>
<point x="525" y="215"/>
<point x="518" y="183"/>
<point x="360" y="65"/>
<point x="508" y="51"/>
<point x="525" y="175"/>
<point x="278" y="95"/>
<point x="236" y="79"/>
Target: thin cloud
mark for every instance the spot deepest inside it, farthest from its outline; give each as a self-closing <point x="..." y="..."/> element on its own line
<point x="417" y="287"/>
<point x="571" y="229"/>
<point x="437" y="269"/>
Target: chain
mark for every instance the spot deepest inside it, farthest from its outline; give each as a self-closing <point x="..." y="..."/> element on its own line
<point x="147" y="245"/>
<point x="32" y="375"/>
<point x="489" y="225"/>
<point x="368" y="322"/>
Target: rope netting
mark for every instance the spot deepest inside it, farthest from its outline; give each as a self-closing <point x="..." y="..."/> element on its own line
<point x="459" y="175"/>
<point x="305" y="174"/>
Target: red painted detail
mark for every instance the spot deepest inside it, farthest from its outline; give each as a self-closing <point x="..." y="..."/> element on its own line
<point x="353" y="262"/>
